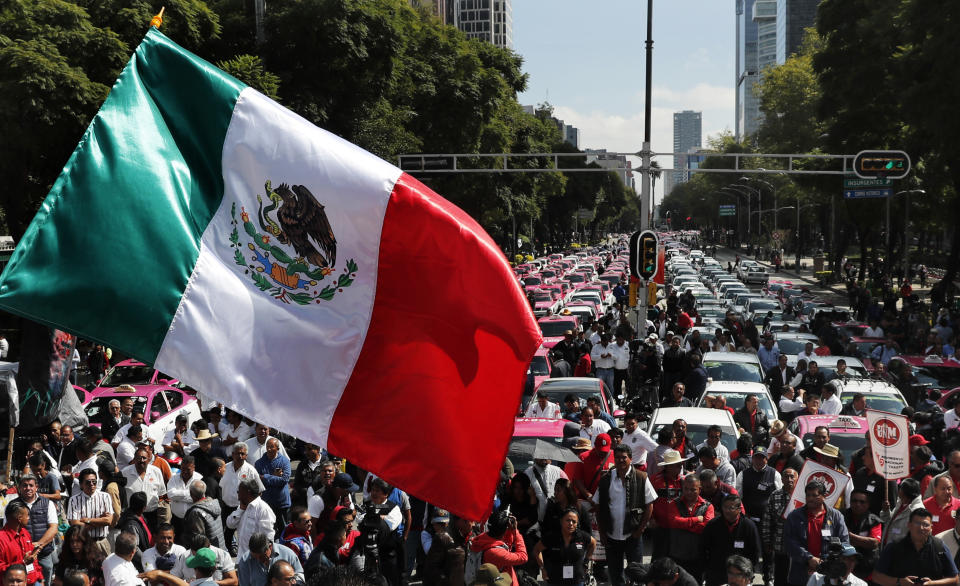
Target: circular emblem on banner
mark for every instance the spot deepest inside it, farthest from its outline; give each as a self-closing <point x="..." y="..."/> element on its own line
<point x="886" y="432"/>
<point x="827" y="481"/>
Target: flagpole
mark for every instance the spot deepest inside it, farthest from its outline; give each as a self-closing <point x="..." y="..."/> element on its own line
<point x="9" y="474"/>
<point x="157" y="20"/>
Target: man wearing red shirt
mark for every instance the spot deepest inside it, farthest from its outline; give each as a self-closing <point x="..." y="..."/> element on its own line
<point x="687" y="516"/>
<point x="942" y="505"/>
<point x="586" y="476"/>
<point x="684" y="322"/>
<point x="16" y="547"/>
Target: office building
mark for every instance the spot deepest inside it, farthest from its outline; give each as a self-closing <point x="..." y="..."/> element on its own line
<point x="487" y="20"/>
<point x="793" y="18"/>
<point x="687" y="135"/>
<point x="747" y="105"/>
<point x="571" y="134"/>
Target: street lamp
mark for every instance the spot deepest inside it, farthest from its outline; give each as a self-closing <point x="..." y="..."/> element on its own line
<point x="906" y="228"/>
<point x="733" y="189"/>
<point x="773" y="191"/>
<point x="759" y="202"/>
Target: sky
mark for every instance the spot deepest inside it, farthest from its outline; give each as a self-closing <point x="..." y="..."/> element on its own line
<point x="587" y="59"/>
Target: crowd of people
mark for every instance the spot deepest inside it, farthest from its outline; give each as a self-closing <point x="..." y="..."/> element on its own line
<point x="225" y="500"/>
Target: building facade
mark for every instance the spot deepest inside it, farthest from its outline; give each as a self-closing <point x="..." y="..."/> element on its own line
<point x="687" y="138"/>
<point x="747" y="105"/>
<point x="765" y="15"/>
<point x="793" y="18"/>
<point x="618" y="163"/>
<point x="486" y="20"/>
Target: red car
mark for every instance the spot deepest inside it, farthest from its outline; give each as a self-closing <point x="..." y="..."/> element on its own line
<point x="553" y="327"/>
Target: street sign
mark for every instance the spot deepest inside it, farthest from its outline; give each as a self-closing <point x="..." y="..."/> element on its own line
<point x="868" y="193"/>
<point x="728" y="210"/>
<point x="852" y="182"/>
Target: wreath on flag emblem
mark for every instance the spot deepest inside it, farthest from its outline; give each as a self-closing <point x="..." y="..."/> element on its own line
<point x="300" y="222"/>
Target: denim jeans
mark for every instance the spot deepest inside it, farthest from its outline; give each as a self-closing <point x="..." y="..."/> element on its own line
<point x="631" y="548"/>
<point x="46" y="566"/>
<point x="606" y="375"/>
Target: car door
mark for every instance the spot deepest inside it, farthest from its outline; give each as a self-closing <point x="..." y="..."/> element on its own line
<point x="156" y="416"/>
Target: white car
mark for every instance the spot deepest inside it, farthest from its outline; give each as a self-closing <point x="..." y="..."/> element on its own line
<point x="698" y="419"/>
<point x="752" y="272"/>
<point x="880" y="395"/>
<point x="735" y="392"/>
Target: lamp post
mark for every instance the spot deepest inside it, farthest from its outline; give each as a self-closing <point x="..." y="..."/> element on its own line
<point x="773" y="191"/>
<point x="906" y="228"/>
<point x="759" y="203"/>
<point x="646" y="195"/>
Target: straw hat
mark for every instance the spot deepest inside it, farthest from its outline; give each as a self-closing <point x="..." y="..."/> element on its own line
<point x="828" y="450"/>
<point x="672" y="457"/>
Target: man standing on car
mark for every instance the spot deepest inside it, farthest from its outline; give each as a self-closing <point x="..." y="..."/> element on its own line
<point x="621" y="364"/>
<point x="602" y="356"/>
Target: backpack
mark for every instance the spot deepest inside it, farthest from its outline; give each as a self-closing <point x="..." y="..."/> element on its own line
<point x="473" y="563"/>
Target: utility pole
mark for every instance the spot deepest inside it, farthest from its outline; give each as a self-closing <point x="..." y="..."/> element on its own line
<point x="645" y="196"/>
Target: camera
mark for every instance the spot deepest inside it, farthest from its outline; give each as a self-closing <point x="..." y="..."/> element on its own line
<point x="833" y="566"/>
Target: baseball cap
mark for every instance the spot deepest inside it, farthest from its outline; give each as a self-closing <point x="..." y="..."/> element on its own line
<point x="602" y="443"/>
<point x="488" y="574"/>
<point x="344" y="480"/>
<point x="918" y="440"/>
<point x="204" y="558"/>
<point x="440" y="516"/>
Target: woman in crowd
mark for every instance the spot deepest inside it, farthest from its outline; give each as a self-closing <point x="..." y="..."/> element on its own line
<point x="562" y="556"/>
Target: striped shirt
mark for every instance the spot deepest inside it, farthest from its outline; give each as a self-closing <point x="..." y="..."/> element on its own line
<point x="771" y="526"/>
<point x="90" y="507"/>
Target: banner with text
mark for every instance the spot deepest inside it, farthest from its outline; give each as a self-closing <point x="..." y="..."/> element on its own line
<point x="834" y="480"/>
<point x="889" y="441"/>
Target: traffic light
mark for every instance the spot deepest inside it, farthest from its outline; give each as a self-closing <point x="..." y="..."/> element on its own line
<point x="881" y="164"/>
<point x="648" y="256"/>
<point x="633" y="293"/>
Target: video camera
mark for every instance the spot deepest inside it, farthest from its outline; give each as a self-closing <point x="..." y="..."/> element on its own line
<point x="833" y="566"/>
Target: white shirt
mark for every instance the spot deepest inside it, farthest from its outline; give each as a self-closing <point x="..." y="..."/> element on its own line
<point x="550" y="475"/>
<point x="122" y="433"/>
<point x="820" y="580"/>
<point x="722" y="452"/>
<point x="119" y="572"/>
<point x="393" y="518"/>
<point x="224" y="565"/>
<point x="256" y="450"/>
<point x="640" y="443"/>
<point x="125" y="452"/>
<point x="149" y="557"/>
<point x="596" y="428"/>
<point x="618" y="504"/>
<point x="231" y="481"/>
<point x="790" y="405"/>
<point x="602" y="361"/>
<point x="807" y="357"/>
<point x="241" y="432"/>
<point x="621" y="356"/>
<point x="82" y="506"/>
<point x="551" y="411"/>
<point x="179" y="494"/>
<point x="873" y="332"/>
<point x="90" y="463"/>
<point x="256" y="518"/>
<point x="188" y="438"/>
<point x="594" y="337"/>
<point x="831" y="406"/>
<point x="151" y="484"/>
<point x="951" y="419"/>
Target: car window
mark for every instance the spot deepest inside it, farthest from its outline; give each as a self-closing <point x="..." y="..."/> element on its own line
<point x="698" y="434"/>
<point x="793" y="346"/>
<point x="736" y="401"/>
<point x="174" y="399"/>
<point x="883" y="402"/>
<point x="538" y="366"/>
<point x="847" y="442"/>
<point x="158" y="406"/>
<point x="98" y="408"/>
<point x="734" y="371"/>
<point x="128" y="375"/>
<point x="553" y="329"/>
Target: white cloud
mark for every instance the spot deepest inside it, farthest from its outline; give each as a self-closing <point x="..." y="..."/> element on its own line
<point x="623" y="132"/>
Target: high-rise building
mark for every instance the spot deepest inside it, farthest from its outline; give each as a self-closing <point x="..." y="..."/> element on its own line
<point x="487" y="20"/>
<point x="765" y="15"/>
<point x="571" y="134"/>
<point x="687" y="135"/>
<point x="747" y="105"/>
<point x="793" y="17"/>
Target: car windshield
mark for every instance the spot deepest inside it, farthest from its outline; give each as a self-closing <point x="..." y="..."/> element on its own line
<point x="519" y="463"/>
<point x="854" y="371"/>
<point x="555" y="329"/>
<point x="734" y="371"/>
<point x="793" y="346"/>
<point x="698" y="434"/>
<point x="847" y="442"/>
<point x="867" y="347"/>
<point x="940" y="377"/>
<point x="128" y="375"/>
<point x="764" y="306"/>
<point x="557" y="396"/>
<point x="574" y="278"/>
<point x="882" y="402"/>
<point x="532" y="281"/>
<point x="542" y="297"/>
<point x="97" y="408"/>
<point x="538" y="366"/>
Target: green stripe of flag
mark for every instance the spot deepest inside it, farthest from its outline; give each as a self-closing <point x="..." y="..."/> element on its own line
<point x="130" y="206"/>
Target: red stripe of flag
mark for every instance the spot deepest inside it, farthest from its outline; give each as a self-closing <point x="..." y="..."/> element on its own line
<point x="431" y="402"/>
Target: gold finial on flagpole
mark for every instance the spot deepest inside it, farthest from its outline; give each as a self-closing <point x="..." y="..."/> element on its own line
<point x="157" y="20"/>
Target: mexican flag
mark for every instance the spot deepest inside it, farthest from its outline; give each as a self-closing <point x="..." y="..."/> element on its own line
<point x="300" y="280"/>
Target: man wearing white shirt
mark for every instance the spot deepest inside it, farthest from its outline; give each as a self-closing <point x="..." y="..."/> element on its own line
<point x="118" y="568"/>
<point x="714" y="433"/>
<point x="237" y="471"/>
<point x="43" y="522"/>
<point x="180" y="440"/>
<point x="87" y="460"/>
<point x="165" y="554"/>
<point x="257" y="445"/>
<point x="951" y="419"/>
<point x="791" y="402"/>
<point x="142" y="477"/>
<point x="603" y="360"/>
<point x="178" y="490"/>
<point x="135" y="419"/>
<point x="829" y="401"/>
<point x="639" y="441"/>
<point x="128" y="446"/>
<point x="253" y="516"/>
<point x="621" y="362"/>
<point x="594" y="336"/>
<point x="807" y="353"/>
<point x="873" y="330"/>
<point x="543" y="477"/>
<point x="543" y="408"/>
<point x="590" y="426"/>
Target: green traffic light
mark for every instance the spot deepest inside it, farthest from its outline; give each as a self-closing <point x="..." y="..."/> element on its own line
<point x="889" y="164"/>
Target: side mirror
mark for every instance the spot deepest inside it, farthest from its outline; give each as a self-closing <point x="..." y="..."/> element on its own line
<point x="619" y="413"/>
<point x="154" y="415"/>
